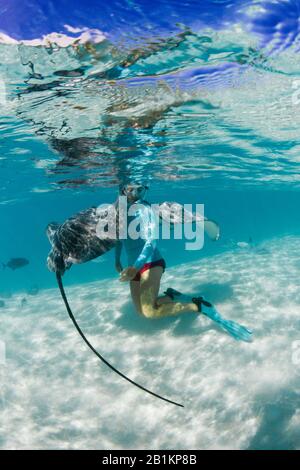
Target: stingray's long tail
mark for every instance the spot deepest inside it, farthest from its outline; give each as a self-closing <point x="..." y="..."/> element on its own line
<point x="63" y="294"/>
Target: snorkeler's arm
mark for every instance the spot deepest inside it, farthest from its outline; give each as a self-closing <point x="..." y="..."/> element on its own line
<point x="149" y="226"/>
<point x="118" y="251"/>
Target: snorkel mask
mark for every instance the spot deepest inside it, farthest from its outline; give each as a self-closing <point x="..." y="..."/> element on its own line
<point x="133" y="191"/>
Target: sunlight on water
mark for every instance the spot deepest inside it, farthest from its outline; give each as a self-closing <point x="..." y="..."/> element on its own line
<point x="102" y="109"/>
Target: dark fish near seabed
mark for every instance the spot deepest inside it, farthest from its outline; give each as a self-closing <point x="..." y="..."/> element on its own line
<point x="2" y="303"/>
<point x="16" y="263"/>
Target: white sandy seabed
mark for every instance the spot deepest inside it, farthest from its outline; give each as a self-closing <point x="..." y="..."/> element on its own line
<point x="56" y="395"/>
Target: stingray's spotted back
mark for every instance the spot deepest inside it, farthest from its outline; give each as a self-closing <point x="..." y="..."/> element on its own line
<point x="76" y="240"/>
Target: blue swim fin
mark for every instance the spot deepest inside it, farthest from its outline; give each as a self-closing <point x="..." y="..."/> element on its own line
<point x="237" y="331"/>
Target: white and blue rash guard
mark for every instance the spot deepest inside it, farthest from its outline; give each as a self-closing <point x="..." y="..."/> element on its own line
<point x="144" y="249"/>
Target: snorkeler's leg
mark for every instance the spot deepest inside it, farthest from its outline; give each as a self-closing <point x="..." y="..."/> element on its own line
<point x="149" y="289"/>
<point x="164" y="299"/>
<point x="135" y="295"/>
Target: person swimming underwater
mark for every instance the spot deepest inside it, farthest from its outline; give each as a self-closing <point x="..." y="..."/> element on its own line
<point x="145" y="262"/>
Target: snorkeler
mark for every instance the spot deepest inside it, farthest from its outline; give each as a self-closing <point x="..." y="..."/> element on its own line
<point x="146" y="266"/>
<point x="145" y="262"/>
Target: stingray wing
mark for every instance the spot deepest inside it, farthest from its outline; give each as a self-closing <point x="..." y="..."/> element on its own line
<point x="77" y="239"/>
<point x="175" y="213"/>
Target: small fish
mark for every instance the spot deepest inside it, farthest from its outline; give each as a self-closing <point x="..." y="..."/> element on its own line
<point x="2" y="303"/>
<point x="243" y="244"/>
<point x="16" y="263"/>
<point x="248" y="244"/>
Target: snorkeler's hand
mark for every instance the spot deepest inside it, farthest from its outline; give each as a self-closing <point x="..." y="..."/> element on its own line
<point x="128" y="274"/>
<point x="119" y="267"/>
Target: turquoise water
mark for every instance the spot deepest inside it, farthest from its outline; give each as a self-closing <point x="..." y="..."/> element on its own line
<point x="203" y="116"/>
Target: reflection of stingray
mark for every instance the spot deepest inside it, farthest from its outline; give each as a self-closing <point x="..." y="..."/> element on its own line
<point x="97" y="124"/>
<point x="91" y="122"/>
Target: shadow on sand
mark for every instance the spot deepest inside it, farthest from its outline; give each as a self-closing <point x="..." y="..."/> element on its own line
<point x="187" y="323"/>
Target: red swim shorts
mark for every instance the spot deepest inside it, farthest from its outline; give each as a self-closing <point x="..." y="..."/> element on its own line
<point x="160" y="262"/>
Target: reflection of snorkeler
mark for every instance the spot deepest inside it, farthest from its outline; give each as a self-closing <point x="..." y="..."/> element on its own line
<point x="146" y="264"/>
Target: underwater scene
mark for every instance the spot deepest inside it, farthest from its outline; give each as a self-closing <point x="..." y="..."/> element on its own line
<point x="196" y="102"/>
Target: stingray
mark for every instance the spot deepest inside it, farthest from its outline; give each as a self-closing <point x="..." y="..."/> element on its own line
<point x="76" y="241"/>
